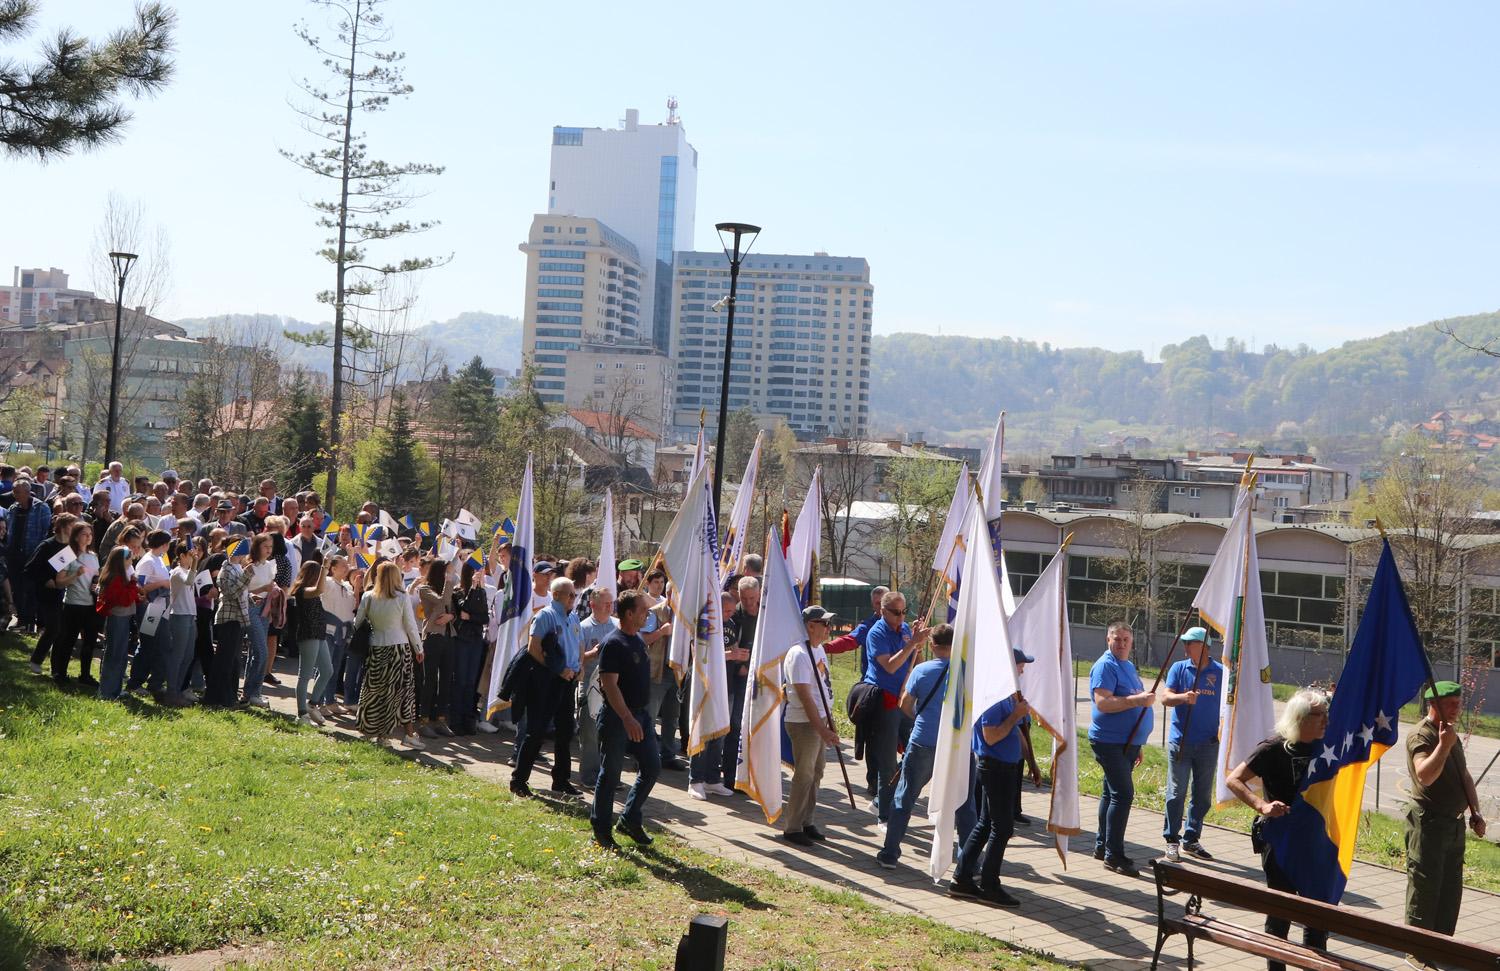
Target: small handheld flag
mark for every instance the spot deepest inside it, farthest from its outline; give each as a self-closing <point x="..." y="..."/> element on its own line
<point x="240" y="548"/>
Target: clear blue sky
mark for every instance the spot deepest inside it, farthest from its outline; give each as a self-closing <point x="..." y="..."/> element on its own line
<point x="1125" y="174"/>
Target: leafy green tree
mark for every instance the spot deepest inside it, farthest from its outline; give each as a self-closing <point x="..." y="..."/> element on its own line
<point x="466" y="423"/>
<point x="302" y="436"/>
<point x="740" y="429"/>
<point x="72" y="97"/>
<point x="196" y="426"/>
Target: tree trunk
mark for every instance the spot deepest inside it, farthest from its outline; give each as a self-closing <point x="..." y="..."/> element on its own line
<point x="335" y="429"/>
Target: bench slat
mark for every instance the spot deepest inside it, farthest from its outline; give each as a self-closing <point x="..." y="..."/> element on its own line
<point x="1266" y="945"/>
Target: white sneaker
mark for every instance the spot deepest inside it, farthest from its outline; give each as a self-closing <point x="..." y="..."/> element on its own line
<point x="1174" y="853"/>
<point x="873" y="808"/>
<point x="719" y="789"/>
<point x="316" y="717"/>
<point x="697" y="790"/>
<point x="488" y="728"/>
<point x="259" y="701"/>
<point x="304" y="720"/>
<point x="34" y="667"/>
<point x="415" y="742"/>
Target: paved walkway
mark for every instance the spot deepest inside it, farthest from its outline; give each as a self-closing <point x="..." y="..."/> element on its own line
<point x="1081" y="913"/>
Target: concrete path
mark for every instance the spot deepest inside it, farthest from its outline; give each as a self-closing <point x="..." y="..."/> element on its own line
<point x="1082" y="913"/>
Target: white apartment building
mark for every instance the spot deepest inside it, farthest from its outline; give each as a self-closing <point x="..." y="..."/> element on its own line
<point x="801" y="341"/>
<point x="642" y="181"/>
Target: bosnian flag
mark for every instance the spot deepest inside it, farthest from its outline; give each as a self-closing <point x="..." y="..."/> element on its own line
<point x="515" y="608"/>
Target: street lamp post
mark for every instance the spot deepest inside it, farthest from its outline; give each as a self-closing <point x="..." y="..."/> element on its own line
<point x="733" y="238"/>
<point x="122" y="263"/>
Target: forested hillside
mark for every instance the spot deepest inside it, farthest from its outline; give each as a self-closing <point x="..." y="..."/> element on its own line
<point x="952" y="387"/>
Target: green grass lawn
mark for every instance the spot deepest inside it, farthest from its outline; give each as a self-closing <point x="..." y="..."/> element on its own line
<point x="1381" y="840"/>
<point x="130" y="830"/>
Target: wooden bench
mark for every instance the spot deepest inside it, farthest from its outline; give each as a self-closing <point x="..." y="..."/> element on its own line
<point x="1377" y="931"/>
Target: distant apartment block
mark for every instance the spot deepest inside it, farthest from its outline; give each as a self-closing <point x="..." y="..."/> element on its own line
<point x="801" y="341"/>
<point x="38" y="296"/>
<point x="642" y="180"/>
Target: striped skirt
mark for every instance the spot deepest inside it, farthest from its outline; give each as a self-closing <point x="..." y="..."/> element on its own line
<point x="388" y="697"/>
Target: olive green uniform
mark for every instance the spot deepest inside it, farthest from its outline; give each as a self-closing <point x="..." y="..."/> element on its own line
<point x="1435" y="835"/>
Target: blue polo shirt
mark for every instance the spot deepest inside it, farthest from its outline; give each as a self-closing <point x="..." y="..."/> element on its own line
<point x="1197" y="722"/>
<point x="555" y="618"/>
<point x="927" y="678"/>
<point x="861" y="636"/>
<point x="1118" y="678"/>
<point x="1008" y="749"/>
<point x="885" y="640"/>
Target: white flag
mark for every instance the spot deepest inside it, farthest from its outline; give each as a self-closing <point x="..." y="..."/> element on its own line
<point x="739" y="516"/>
<point x="980" y="640"/>
<point x="989" y="493"/>
<point x="1229" y="602"/>
<point x="1039" y="627"/>
<point x="697" y="645"/>
<point x="779" y="628"/>
<point x="606" y="578"/>
<point x="807" y="539"/>
<point x="944" y="558"/>
<point x="388" y="524"/>
<point x="515" y="604"/>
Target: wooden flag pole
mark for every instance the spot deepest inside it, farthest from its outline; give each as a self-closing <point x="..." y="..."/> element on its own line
<point x="837" y="748"/>
<point x="1187" y="621"/>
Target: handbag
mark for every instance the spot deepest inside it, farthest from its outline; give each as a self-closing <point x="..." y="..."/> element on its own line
<point x="359" y="639"/>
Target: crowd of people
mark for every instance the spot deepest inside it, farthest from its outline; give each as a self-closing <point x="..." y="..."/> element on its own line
<point x="197" y="589"/>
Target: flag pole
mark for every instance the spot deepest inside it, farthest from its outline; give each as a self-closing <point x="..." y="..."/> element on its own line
<point x="837" y="748"/>
<point x="1187" y="620"/>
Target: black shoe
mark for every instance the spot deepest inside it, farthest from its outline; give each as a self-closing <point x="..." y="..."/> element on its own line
<point x="511" y="761"/>
<point x="964" y="888"/>
<point x="634" y="831"/>
<point x="520" y="789"/>
<point x="998" y="896"/>
<point x="676" y="763"/>
<point x="798" y="839"/>
<point x="1196" y="849"/>
<point x="271" y="679"/>
<point x="1022" y="820"/>
<point x="1122" y="866"/>
<point x="88" y="681"/>
<point x="566" y="789"/>
<point x="606" y="842"/>
<point x="1098" y="852"/>
<point x="63" y="679"/>
<point x="814" y="834"/>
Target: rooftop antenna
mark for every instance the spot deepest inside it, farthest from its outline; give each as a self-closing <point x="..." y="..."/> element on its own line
<point x="672" y="111"/>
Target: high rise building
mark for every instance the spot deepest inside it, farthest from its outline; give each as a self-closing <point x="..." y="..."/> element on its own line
<point x="582" y="326"/>
<point x="642" y="181"/>
<point x="801" y="341"/>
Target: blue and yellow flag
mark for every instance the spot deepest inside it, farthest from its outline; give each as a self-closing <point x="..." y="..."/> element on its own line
<point x="365" y="560"/>
<point x="1314" y="843"/>
<point x="477" y="555"/>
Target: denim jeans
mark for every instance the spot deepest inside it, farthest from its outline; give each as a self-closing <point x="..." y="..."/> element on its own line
<point x="708" y="765"/>
<point x="112" y="666"/>
<point x="312" y="656"/>
<point x="881" y="753"/>
<point x="729" y="745"/>
<point x="255" y="666"/>
<point x="1184" y="759"/>
<point x="354" y="677"/>
<point x="997" y="822"/>
<point x="468" y="655"/>
<point x="184" y="632"/>
<point x="338" y="643"/>
<point x="916" y="772"/>
<point x="613" y="744"/>
<point x="658" y="705"/>
<point x="1118" y="762"/>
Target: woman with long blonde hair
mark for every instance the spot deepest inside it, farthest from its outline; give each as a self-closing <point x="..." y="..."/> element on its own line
<point x="388" y="697"/>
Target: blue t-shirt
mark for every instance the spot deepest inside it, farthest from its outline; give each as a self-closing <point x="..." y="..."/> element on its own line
<point x="1200" y="721"/>
<point x="882" y="641"/>
<point x="927" y="678"/>
<point x="861" y="636"/>
<point x="1008" y="749"/>
<point x="1118" y="678"/>
<point x="556" y="619"/>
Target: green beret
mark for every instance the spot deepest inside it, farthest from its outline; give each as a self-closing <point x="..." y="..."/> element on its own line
<point x="1443" y="689"/>
<point x="628" y="565"/>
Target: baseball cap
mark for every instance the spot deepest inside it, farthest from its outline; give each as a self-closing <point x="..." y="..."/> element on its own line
<point x="815" y="612"/>
<point x="1021" y="656"/>
<point x="170" y="474"/>
<point x="1196" y="634"/>
<point x="545" y="567"/>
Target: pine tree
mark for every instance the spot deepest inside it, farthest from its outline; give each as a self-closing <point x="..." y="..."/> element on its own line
<point x="71" y="97"/>
<point x="302" y="438"/>
<point x="195" y="428"/>
<point x="401" y="476"/>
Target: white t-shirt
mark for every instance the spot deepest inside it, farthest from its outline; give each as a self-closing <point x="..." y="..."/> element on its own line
<point x="338" y="599"/>
<point x="184" y="595"/>
<point x="154" y="570"/>
<point x="797" y="668"/>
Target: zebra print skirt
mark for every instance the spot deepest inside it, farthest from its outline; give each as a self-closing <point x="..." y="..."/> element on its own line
<point x="388" y="697"/>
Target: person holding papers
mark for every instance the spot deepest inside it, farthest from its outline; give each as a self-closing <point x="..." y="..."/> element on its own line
<point x="804" y="669"/>
<point x="40" y="571"/>
<point x="79" y="618"/>
<point x="181" y="623"/>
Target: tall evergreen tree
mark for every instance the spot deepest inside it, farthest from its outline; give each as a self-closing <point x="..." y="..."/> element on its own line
<point x="400" y="478"/>
<point x="467" y="426"/>
<point x="195" y="427"/>
<point x="302" y="439"/>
